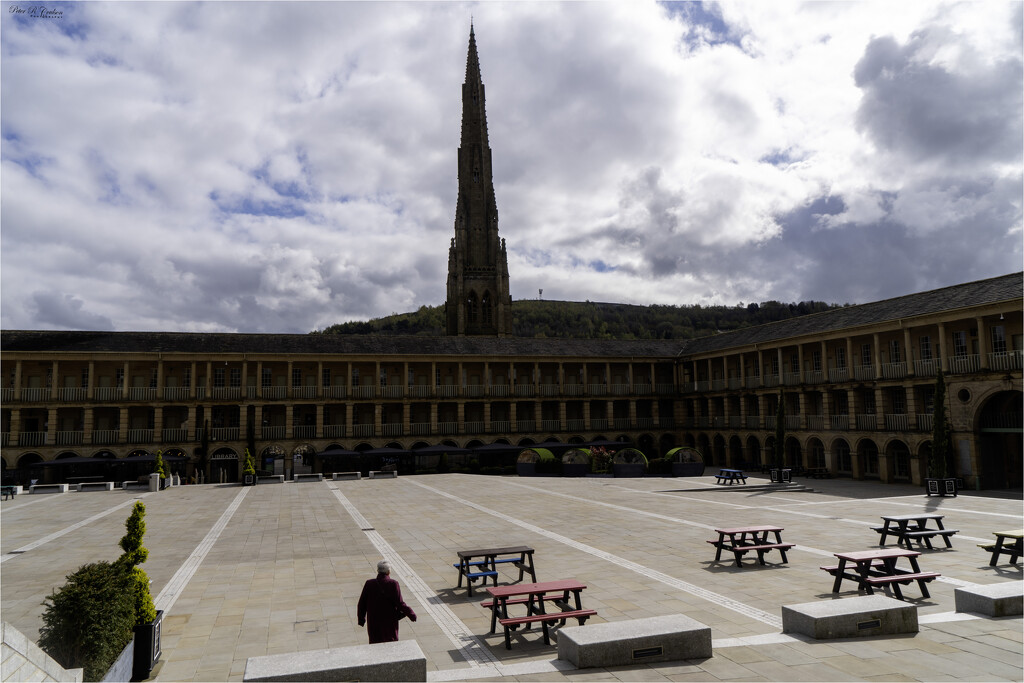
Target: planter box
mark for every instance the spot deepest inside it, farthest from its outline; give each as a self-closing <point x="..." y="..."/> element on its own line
<point x="946" y="486"/>
<point x="121" y="669"/>
<point x="687" y="469"/>
<point x="248" y="480"/>
<point x="147" y="647"/>
<point x="628" y="469"/>
<point x="575" y="469"/>
<point x="781" y="475"/>
<point x="526" y="469"/>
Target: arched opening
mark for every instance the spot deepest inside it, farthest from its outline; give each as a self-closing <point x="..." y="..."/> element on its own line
<point x="841" y="453"/>
<point x="1000" y="430"/>
<point x="720" y="450"/>
<point x="472" y="308"/>
<point x="736" y="452"/>
<point x="487" y="309"/>
<point x="224" y="465"/>
<point x="867" y="453"/>
<point x="754" y="451"/>
<point x="704" y="447"/>
<point x="815" y="453"/>
<point x="794" y="455"/>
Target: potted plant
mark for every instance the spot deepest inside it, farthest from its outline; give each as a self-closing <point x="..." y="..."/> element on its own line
<point x="600" y="461"/>
<point x="160" y="467"/>
<point x="629" y="462"/>
<point x="249" y="470"/>
<point x="575" y="462"/>
<point x="148" y="621"/>
<point x="87" y="623"/>
<point x="686" y="462"/>
<point x="938" y="481"/>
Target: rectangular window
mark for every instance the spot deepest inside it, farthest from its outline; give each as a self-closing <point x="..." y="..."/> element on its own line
<point x="899" y="402"/>
<point x="85" y="377"/>
<point x="998" y="339"/>
<point x="868" y="401"/>
<point x="236" y="377"/>
<point x="296" y="377"/>
<point x="816" y="360"/>
<point x="325" y="377"/>
<point x="927" y="399"/>
<point x="959" y="344"/>
<point x="865" y="355"/>
<point x="926" y="347"/>
<point x="152" y="379"/>
<point x="355" y="377"/>
<point x="218" y="377"/>
<point x="775" y="365"/>
<point x="267" y="377"/>
<point x="383" y="377"/>
<point x="794" y="362"/>
<point x="186" y="377"/>
<point x="119" y="375"/>
<point x="894" y="351"/>
<point x="840" y="358"/>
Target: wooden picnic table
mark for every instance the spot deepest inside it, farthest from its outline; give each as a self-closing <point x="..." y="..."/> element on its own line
<point x="482" y="563"/>
<point x="534" y="596"/>
<point x="871" y="568"/>
<point x="730" y="477"/>
<point x="907" y="528"/>
<point x="745" y="539"/>
<point x="1007" y="543"/>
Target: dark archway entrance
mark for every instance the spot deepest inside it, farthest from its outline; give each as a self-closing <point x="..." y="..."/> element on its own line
<point x="1000" y="430"/>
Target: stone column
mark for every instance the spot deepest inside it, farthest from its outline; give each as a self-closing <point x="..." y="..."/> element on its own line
<point x="289" y="421"/>
<point x="908" y="354"/>
<point x="941" y="349"/>
<point x="982" y="342"/>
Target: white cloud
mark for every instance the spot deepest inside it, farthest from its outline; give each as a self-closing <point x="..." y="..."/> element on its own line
<point x="281" y="167"/>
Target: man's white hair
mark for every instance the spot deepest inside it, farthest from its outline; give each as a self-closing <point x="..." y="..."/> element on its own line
<point x="383" y="567"/>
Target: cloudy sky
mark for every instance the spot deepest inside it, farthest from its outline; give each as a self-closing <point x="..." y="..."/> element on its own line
<point x="280" y="167"/>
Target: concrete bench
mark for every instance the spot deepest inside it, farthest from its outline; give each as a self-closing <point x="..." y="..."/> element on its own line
<point x="339" y="476"/>
<point x="866" y="615"/>
<point x="637" y="641"/>
<point x="271" y="479"/>
<point x="101" y="485"/>
<point x="308" y="477"/>
<point x="389" y="474"/>
<point x="401" y="660"/>
<point x="134" y="485"/>
<point x="993" y="600"/>
<point x="48" y="488"/>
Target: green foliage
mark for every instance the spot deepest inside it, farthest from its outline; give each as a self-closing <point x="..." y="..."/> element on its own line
<point x="942" y="432"/>
<point x="249" y="467"/>
<point x="659" y="466"/>
<point x="89" y="620"/>
<point x="600" y="459"/>
<point x="160" y="466"/>
<point x="590" y="320"/>
<point x="135" y="554"/>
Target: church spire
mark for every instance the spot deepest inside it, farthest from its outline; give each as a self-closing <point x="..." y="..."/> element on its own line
<point x="478" y="292"/>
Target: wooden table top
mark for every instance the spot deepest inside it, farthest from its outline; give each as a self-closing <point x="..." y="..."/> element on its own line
<point x="495" y="551"/>
<point x="879" y="554"/>
<point x="749" y="529"/>
<point x="1016" y="533"/>
<point x="530" y="588"/>
<point x="911" y="518"/>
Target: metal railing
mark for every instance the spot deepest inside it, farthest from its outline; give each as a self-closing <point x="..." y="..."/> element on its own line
<point x="792" y="422"/>
<point x="276" y="391"/>
<point x="894" y="370"/>
<point x="306" y="391"/>
<point x="364" y="391"/>
<point x="475" y="390"/>
<point x="72" y="438"/>
<point x="572" y="389"/>
<point x="791" y="378"/>
<point x="526" y="425"/>
<point x="620" y="389"/>
<point x="753" y="421"/>
<point x="925" y="422"/>
<point x="926" y="368"/>
<point x="104" y="437"/>
<point x="173" y="435"/>
<point x="140" y="436"/>
<point x="304" y="431"/>
<point x="816" y="423"/>
<point x="176" y="393"/>
<point x="501" y="426"/>
<point x="391" y="429"/>
<point x="549" y="390"/>
<point x="867" y="422"/>
<point x="447" y="390"/>
<point x="419" y="428"/>
<point x="598" y="423"/>
<point x="575" y="424"/>
<point x="448" y="427"/>
<point x="72" y="393"/>
<point x="524" y="390"/>
<point x="964" y="364"/>
<point x="274" y="432"/>
<point x="362" y="430"/>
<point x="142" y="394"/>
<point x="35" y="394"/>
<point x="814" y="377"/>
<point x="226" y="393"/>
<point x="334" y="431"/>
<point x="421" y="390"/>
<point x="498" y="390"/>
<point x="897" y="422"/>
<point x="839" y="422"/>
<point x="838" y="374"/>
<point x="224" y="433"/>
<point x="32" y="439"/>
<point x="335" y="391"/>
<point x="1009" y="360"/>
<point x="864" y="372"/>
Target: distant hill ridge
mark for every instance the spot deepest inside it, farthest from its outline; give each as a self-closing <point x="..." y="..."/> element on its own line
<point x="597" y="320"/>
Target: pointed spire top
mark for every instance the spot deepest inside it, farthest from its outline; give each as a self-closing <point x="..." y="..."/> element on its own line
<point x="472" y="61"/>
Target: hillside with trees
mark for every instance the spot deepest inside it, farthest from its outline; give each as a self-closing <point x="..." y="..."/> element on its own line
<point x="592" y="320"/>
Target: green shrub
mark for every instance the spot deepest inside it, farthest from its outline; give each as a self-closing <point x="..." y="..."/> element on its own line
<point x="250" y="463"/>
<point x="135" y="554"/>
<point x="659" y="466"/>
<point x="160" y="466"/>
<point x="89" y="620"/>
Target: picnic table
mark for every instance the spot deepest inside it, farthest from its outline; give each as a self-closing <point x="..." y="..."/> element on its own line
<point x="907" y="528"/>
<point x="745" y="539"/>
<point x="730" y="477"/>
<point x="1007" y="543"/>
<point x="871" y="568"/>
<point x="482" y="563"/>
<point x="534" y="596"/>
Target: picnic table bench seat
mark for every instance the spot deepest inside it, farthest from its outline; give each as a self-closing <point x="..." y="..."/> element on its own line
<point x="740" y="550"/>
<point x="511" y="623"/>
<point x="523" y="601"/>
<point x="487" y="560"/>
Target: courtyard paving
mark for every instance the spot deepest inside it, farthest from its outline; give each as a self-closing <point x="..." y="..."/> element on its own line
<point x="243" y="572"/>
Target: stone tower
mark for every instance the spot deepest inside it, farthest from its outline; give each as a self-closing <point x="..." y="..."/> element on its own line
<point x="478" y="298"/>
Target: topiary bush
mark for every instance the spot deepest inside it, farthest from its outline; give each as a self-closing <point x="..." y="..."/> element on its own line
<point x="89" y="620"/>
<point x="135" y="554"/>
<point x="160" y="467"/>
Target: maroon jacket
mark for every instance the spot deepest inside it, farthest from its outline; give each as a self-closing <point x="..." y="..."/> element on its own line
<point x="382" y="606"/>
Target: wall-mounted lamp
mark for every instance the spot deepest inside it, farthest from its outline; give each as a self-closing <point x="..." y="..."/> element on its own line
<point x="1000" y="316"/>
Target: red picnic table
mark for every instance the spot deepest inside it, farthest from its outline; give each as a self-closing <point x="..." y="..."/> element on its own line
<point x="534" y="595"/>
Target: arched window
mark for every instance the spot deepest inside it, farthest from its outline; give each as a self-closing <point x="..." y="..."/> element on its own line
<point x="471" y="308"/>
<point x="487" y="309"/>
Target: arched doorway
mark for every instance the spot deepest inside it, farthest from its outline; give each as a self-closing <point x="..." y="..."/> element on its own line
<point x="794" y="456"/>
<point x="841" y="454"/>
<point x="815" y="453"/>
<point x="867" y="454"/>
<point x="754" y="451"/>
<point x="736" y="452"/>
<point x="1000" y="429"/>
<point x="224" y="466"/>
<point x="898" y="459"/>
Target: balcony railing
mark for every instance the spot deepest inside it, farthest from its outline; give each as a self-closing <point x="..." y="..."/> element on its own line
<point x="32" y="439"/>
<point x="364" y="391"/>
<point x="304" y="431"/>
<point x="572" y="389"/>
<point x="964" y="364"/>
<point x="73" y="438"/>
<point x="448" y="427"/>
<point x="526" y="425"/>
<point x="335" y="391"/>
<point x="717" y="384"/>
<point x="276" y="391"/>
<point x="306" y="391"/>
<point x="645" y="423"/>
<point x="734" y="384"/>
<point x="894" y="370"/>
<point x="735" y="422"/>
<point x="770" y="421"/>
<point x="925" y="422"/>
<point x="684" y="387"/>
<point x="641" y="389"/>
<point x="926" y="368"/>
<point x="334" y="431"/>
<point x="362" y="430"/>
<point x="814" y="376"/>
<point x="551" y="425"/>
<point x="251" y="392"/>
<point x="838" y="374"/>
<point x="575" y="424"/>
<point x="176" y="393"/>
<point x="524" y="390"/>
<point x="864" y="372"/>
<point x="667" y="422"/>
<point x="549" y="390"/>
<point x="897" y="422"/>
<point x="142" y="393"/>
<point x="72" y="393"/>
<point x="35" y="394"/>
<point x="620" y="423"/>
<point x="771" y="380"/>
<point x="140" y="436"/>
<point x="393" y="391"/>
<point x="224" y="433"/>
<point x="226" y="393"/>
<point x="839" y="422"/>
<point x="791" y="378"/>
<point x="598" y="390"/>
<point x="447" y="390"/>
<point x="792" y="422"/>
<point x="598" y="423"/>
<point x="419" y="428"/>
<point x="6" y="395"/>
<point x="175" y="435"/>
<point x="718" y="421"/>
<point x="501" y="426"/>
<point x="498" y="390"/>
<point x="867" y="422"/>
<point x="104" y="437"/>
<point x="1010" y="360"/>
<point x="273" y="433"/>
<point x="420" y="390"/>
<point x="816" y="423"/>
<point x="753" y="421"/>
<point x="620" y="389"/>
<point x="5" y="439"/>
<point x="702" y="385"/>
<point x="752" y="382"/>
<point x="391" y="429"/>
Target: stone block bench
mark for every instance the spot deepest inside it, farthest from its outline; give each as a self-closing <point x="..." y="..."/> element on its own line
<point x="389" y="474"/>
<point x="401" y="660"/>
<point x="271" y="479"/>
<point x="48" y="488"/>
<point x="866" y="615"/>
<point x="636" y="641"/>
<point x="132" y="484"/>
<point x="338" y="476"/>
<point x="308" y="477"/>
<point x="993" y="600"/>
<point x="98" y="485"/>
